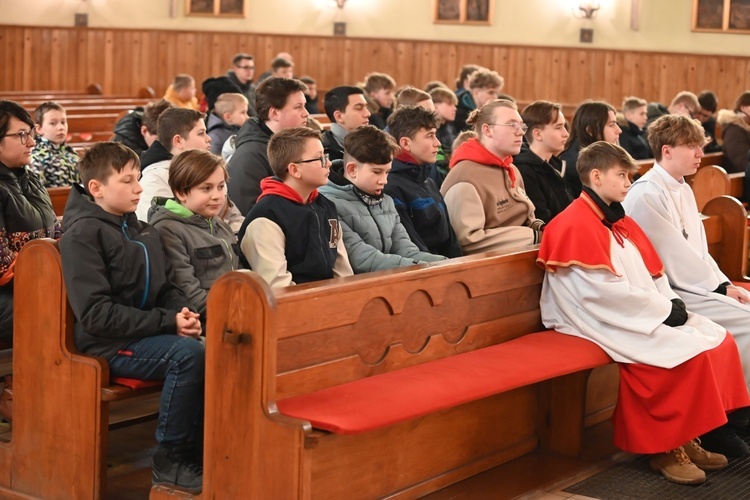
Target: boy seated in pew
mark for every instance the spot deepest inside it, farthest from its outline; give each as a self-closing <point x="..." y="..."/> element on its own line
<point x="52" y="159"/>
<point x="292" y="234"/>
<point x="379" y="88"/>
<point x="662" y="203"/>
<point x="680" y="373"/>
<point x="128" y="309"/>
<point x="137" y="129"/>
<point x="228" y="115"/>
<point x="346" y="107"/>
<point x="178" y="130"/>
<point x="199" y="245"/>
<point x="416" y="195"/>
<point x="374" y="237"/>
<point x="182" y="92"/>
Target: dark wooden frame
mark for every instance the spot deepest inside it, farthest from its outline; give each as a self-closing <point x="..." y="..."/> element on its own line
<point x="723" y="16"/>
<point x="464" y="12"/>
<point x="237" y="9"/>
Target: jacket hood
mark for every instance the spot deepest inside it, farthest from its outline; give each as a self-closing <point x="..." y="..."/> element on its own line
<point x="274" y="186"/>
<point x="156" y="153"/>
<point x="214" y="122"/>
<point x="169" y="208"/>
<point x="729" y="117"/>
<point x="341" y="191"/>
<point x="81" y="206"/>
<point x="253" y="130"/>
<point x="473" y="150"/>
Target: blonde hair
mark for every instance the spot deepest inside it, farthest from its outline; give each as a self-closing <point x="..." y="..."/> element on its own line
<point x="675" y="130"/>
<point x="228" y="102"/>
<point x="486" y="79"/>
<point x="463" y="137"/>
<point x="483" y="115"/>
<point x="443" y="94"/>
<point x="377" y="81"/>
<point x="411" y="96"/>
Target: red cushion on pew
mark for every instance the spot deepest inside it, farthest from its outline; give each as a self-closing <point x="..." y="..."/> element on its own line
<point x="134" y="383"/>
<point x="381" y="400"/>
<point x="742" y="284"/>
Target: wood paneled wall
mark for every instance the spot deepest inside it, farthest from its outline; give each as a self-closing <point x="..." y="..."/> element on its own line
<point x="122" y="61"/>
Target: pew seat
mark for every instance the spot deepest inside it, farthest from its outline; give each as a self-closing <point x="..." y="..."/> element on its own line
<point x="387" y="399"/>
<point x="712" y="181"/>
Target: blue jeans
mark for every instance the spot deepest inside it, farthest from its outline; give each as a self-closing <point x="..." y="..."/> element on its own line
<point x="180" y="362"/>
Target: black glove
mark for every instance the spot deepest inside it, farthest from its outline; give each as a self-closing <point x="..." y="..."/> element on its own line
<point x="678" y="316"/>
<point x="722" y="289"/>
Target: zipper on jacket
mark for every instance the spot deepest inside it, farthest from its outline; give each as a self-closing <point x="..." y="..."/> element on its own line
<point x="148" y="267"/>
<point x="230" y="252"/>
<point x="382" y="235"/>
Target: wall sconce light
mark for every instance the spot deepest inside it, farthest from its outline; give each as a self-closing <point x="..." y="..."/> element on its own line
<point x="340" y="3"/>
<point x="587" y="10"/>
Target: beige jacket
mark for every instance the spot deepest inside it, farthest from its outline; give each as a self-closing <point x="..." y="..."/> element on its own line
<point x="486" y="212"/>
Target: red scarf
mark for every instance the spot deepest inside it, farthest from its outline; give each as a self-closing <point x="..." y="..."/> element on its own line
<point x="473" y="150"/>
<point x="272" y="185"/>
<point x="577" y="237"/>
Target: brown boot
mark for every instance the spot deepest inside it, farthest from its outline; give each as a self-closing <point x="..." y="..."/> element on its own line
<point x="704" y="459"/>
<point x="677" y="467"/>
<point x="6" y="399"/>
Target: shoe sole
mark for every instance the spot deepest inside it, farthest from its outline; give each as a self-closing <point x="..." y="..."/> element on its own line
<point x="711" y="467"/>
<point x="675" y="479"/>
<point x="172" y="486"/>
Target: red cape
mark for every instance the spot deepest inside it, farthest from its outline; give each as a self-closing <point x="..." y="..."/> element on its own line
<point x="577" y="237"/>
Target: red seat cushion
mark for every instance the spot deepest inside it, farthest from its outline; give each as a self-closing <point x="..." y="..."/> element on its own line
<point x="381" y="400"/>
<point x="742" y="284"/>
<point x="134" y="383"/>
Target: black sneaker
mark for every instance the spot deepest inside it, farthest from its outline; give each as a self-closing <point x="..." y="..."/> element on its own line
<point x="177" y="466"/>
<point x="725" y="441"/>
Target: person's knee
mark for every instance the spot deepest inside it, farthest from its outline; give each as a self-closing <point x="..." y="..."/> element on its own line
<point x="191" y="355"/>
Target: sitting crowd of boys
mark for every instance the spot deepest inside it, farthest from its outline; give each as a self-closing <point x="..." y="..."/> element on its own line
<point x="399" y="179"/>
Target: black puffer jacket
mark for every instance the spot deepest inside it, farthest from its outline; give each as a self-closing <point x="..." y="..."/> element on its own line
<point x="249" y="165"/>
<point x="128" y="131"/>
<point x="116" y="274"/>
<point x="25" y="214"/>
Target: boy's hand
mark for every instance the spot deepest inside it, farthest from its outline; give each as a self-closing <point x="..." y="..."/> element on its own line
<point x="188" y="323"/>
<point x="738" y="294"/>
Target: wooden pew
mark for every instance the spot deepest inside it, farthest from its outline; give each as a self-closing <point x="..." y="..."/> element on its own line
<point x="61" y="400"/>
<point x="59" y="197"/>
<point x="97" y="122"/>
<point x="319" y="337"/>
<point x="92" y="89"/>
<point x="712" y="181"/>
<point x="707" y="159"/>
<point x="363" y="326"/>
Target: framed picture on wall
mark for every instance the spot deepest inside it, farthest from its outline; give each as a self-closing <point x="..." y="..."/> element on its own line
<point x="721" y="16"/>
<point x="221" y="8"/>
<point x="477" y="12"/>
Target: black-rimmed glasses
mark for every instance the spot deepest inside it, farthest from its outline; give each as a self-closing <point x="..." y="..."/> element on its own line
<point x="23" y="136"/>
<point x="322" y="159"/>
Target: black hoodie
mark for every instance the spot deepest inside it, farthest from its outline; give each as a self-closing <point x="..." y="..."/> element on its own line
<point x="156" y="153"/>
<point x="128" y="131"/>
<point x="116" y="275"/>
<point x="544" y="184"/>
<point x="249" y="165"/>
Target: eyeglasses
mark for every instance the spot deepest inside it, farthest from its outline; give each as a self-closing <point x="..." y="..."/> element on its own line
<point x="23" y="136"/>
<point x="322" y="159"/>
<point x="246" y="67"/>
<point x="514" y="126"/>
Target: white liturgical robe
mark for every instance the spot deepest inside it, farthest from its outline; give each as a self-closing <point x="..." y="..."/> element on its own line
<point x="667" y="212"/>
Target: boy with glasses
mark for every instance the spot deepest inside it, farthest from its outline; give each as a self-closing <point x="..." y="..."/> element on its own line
<point x="484" y="191"/>
<point x="292" y="234"/>
<point x="241" y="74"/>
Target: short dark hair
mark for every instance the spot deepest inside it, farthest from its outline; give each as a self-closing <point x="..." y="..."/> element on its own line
<point x="708" y="101"/>
<point x="237" y="59"/>
<point x="369" y="144"/>
<point x="182" y="81"/>
<point x="408" y="120"/>
<point x="307" y="80"/>
<point x="466" y="72"/>
<point x="287" y="146"/>
<point x="602" y="156"/>
<point x="191" y="168"/>
<point x="151" y="114"/>
<point x="539" y="114"/>
<point x="43" y="108"/>
<point x="337" y="99"/>
<point x="103" y="159"/>
<point x="588" y="124"/>
<point x="281" y="62"/>
<point x="273" y="93"/>
<point x="742" y="100"/>
<point x="11" y="109"/>
<point x="176" y="121"/>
